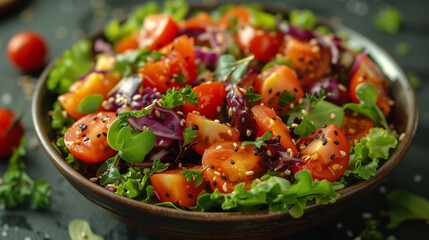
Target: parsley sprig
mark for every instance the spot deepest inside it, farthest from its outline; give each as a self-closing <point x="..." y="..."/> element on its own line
<point x="173" y="98"/>
<point x="259" y="142"/>
<point x="197" y="175"/>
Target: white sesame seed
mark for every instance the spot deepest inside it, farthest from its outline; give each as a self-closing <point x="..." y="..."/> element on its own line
<point x="180" y="165"/>
<point x="180" y="113"/>
<point x="64" y="113"/>
<point x="229" y="132"/>
<point x="248" y="132"/>
<point x="269" y="153"/>
<point x="292" y="106"/>
<point x="218" y="109"/>
<point x="161" y="142"/>
<point x="289" y="150"/>
<point x="217" y="173"/>
<point x="224" y="187"/>
<point x="304" y="112"/>
<point x="218" y="147"/>
<point x="93" y="179"/>
<point x="332" y="116"/>
<point x="137" y="97"/>
<point x="306" y="158"/>
<point x="343" y="153"/>
<point x="401" y="137"/>
<point x="249" y="173"/>
<point x="391" y="102"/>
<point x="167" y="164"/>
<point x="300" y="100"/>
<point x="235" y="144"/>
<point x="294" y="125"/>
<point x="342" y="87"/>
<point x="157" y="113"/>
<point x="216" y="121"/>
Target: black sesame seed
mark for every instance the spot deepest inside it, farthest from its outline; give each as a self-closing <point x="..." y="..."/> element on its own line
<point x="274" y="118"/>
<point x="277" y="94"/>
<point x="176" y="203"/>
<point x="212" y="166"/>
<point x="310" y="62"/>
<point x="167" y="83"/>
<point x="173" y="127"/>
<point x="190" y="196"/>
<point x="223" y="177"/>
<point x="162" y="117"/>
<point x="172" y="47"/>
<point x="325" y="142"/>
<point x="187" y="58"/>
<point x="271" y="101"/>
<point x="333" y="156"/>
<point x="232" y="161"/>
<point x="95" y="118"/>
<point x="86" y="139"/>
<point x="270" y="91"/>
<point x="310" y="141"/>
<point x="103" y="121"/>
<point x="319" y="132"/>
<point x="243" y="120"/>
<point x="300" y="59"/>
<point x="324" y="126"/>
<point x="317" y="137"/>
<point x="167" y="195"/>
<point x="214" y="183"/>
<point x="279" y="109"/>
<point x="336" y="142"/>
<point x="295" y="90"/>
<point x="104" y="134"/>
<point x="116" y="114"/>
<point x="235" y="150"/>
<point x="336" y="132"/>
<point x="84" y="135"/>
<point x="195" y="127"/>
<point x="98" y="135"/>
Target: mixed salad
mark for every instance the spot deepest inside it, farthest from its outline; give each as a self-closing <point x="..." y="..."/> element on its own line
<point x="231" y="110"/>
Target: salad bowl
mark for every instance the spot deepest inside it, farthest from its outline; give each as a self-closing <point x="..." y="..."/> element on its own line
<point x="235" y="225"/>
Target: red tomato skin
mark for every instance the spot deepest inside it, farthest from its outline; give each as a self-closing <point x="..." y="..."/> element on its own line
<point x="200" y="22"/>
<point x="327" y="155"/>
<point x="262" y="44"/>
<point x="10" y="134"/>
<point x="171" y="186"/>
<point x="211" y="97"/>
<point x="355" y="126"/>
<point x="158" y="30"/>
<point x="128" y="43"/>
<point x="27" y="51"/>
<point x="87" y="138"/>
<point x="240" y="13"/>
<point x="209" y="132"/>
<point x="230" y="163"/>
<point x="268" y="120"/>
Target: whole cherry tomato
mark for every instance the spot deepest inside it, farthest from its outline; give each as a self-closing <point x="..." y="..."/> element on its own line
<point x="27" y="50"/>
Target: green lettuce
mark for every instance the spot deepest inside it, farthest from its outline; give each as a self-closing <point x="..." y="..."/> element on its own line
<point x="366" y="155"/>
<point x="273" y="192"/>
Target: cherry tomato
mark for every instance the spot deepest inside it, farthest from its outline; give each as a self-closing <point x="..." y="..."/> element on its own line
<point x="200" y="22"/>
<point x="262" y="44"/>
<point x="87" y="138"/>
<point x="268" y="121"/>
<point x="211" y="97"/>
<point x="355" y="126"/>
<point x="310" y="61"/>
<point x="369" y="72"/>
<point x="11" y="132"/>
<point x="158" y="30"/>
<point x="273" y="82"/>
<point x="94" y="83"/>
<point x="129" y="43"/>
<point x="168" y="71"/>
<point x="237" y="15"/>
<point x="27" y="50"/>
<point x="172" y="186"/>
<point x="326" y="153"/>
<point x="209" y="132"/>
<point x="230" y="163"/>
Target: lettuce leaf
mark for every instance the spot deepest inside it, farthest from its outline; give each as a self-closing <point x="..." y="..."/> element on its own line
<point x="366" y="155"/>
<point x="273" y="192"/>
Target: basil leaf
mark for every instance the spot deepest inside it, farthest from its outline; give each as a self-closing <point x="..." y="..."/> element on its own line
<point x="79" y="229"/>
<point x="286" y="98"/>
<point x="136" y="144"/>
<point x="367" y="94"/>
<point x="322" y="113"/>
<point x="189" y="134"/>
<point x="305" y="128"/>
<point x="90" y="104"/>
<point x="239" y="72"/>
<point x="157" y="167"/>
<point x="225" y="66"/>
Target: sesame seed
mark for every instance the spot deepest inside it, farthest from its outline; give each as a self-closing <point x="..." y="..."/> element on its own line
<point x="83" y="234"/>
<point x="104" y="134"/>
<point x="214" y="183"/>
<point x="292" y="106"/>
<point x="343" y="153"/>
<point x="325" y="142"/>
<point x="336" y="132"/>
<point x="304" y="112"/>
<point x="98" y="135"/>
<point x="320" y="131"/>
<point x="216" y="121"/>
<point x="224" y="177"/>
<point x="332" y="116"/>
<point x="332" y="156"/>
<point x="195" y="127"/>
<point x="224" y="187"/>
<point x="342" y="87"/>
<point x="352" y="130"/>
<point x="161" y="142"/>
<point x="93" y="179"/>
<point x="217" y="173"/>
<point x="269" y="153"/>
<point x="212" y="166"/>
<point x="167" y="164"/>
<point x="190" y="196"/>
<point x="248" y="132"/>
<point x="249" y="173"/>
<point x="218" y="109"/>
<point x="157" y="113"/>
<point x="401" y="137"/>
<point x="232" y="162"/>
<point x="335" y="166"/>
<point x="218" y="147"/>
<point x="336" y="142"/>
<point x="294" y="125"/>
<point x="229" y="132"/>
<point x="167" y="195"/>
<point x="180" y="113"/>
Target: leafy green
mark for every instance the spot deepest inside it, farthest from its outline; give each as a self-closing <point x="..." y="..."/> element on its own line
<point x="176" y="8"/>
<point x="367" y="95"/>
<point x="305" y="128"/>
<point x="109" y="172"/>
<point x="286" y="98"/>
<point x="366" y="155"/>
<point x="402" y="49"/>
<point x="227" y="65"/>
<point x="405" y="206"/>
<point x="74" y="63"/>
<point x="59" y="122"/>
<point x="388" y="20"/>
<point x="90" y="103"/>
<point x="18" y="186"/>
<point x="414" y="79"/>
<point x="303" y="19"/>
<point x="261" y="19"/>
<point x="114" y="31"/>
<point x="259" y="142"/>
<point x="127" y="63"/>
<point x="278" y="60"/>
<point x="251" y="96"/>
<point x="173" y="98"/>
<point x="80" y="229"/>
<point x="157" y="167"/>
<point x="189" y="134"/>
<point x="273" y="192"/>
<point x="190" y="174"/>
<point x="370" y="232"/>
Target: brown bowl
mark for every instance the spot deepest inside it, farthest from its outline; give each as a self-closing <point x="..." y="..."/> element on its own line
<point x="255" y="225"/>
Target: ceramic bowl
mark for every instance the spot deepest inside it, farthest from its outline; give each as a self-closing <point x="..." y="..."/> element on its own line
<point x="256" y="225"/>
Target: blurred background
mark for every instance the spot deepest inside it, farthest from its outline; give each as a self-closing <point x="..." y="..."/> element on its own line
<point x="63" y="22"/>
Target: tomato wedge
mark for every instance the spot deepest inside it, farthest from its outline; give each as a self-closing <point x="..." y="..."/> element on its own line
<point x="129" y="43"/>
<point x="262" y="44"/>
<point x="200" y="22"/>
<point x="309" y="60"/>
<point x="368" y="72"/>
<point x="94" y="83"/>
<point x="355" y="126"/>
<point x="158" y="30"/>
<point x="273" y="82"/>
<point x="326" y="153"/>
<point x="172" y="186"/>
<point x="237" y="15"/>
<point x="230" y="163"/>
<point x="268" y="121"/>
<point x="209" y="132"/>
<point x="211" y="97"/>
<point x="87" y="138"/>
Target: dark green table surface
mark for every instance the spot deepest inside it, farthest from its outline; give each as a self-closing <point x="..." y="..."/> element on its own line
<point x="62" y="22"/>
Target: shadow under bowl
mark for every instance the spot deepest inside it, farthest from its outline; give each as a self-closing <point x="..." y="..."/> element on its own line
<point x="255" y="225"/>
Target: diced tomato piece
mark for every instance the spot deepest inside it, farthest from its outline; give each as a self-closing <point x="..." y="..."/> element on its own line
<point x="94" y="83"/>
<point x="87" y="138"/>
<point x="209" y="132"/>
<point x="262" y="44"/>
<point x="172" y="186"/>
<point x="326" y="153"/>
<point x="355" y="126"/>
<point x="211" y="97"/>
<point x="230" y="163"/>
<point x="237" y="15"/>
<point x="268" y="121"/>
<point x="129" y="43"/>
<point x="310" y="61"/>
<point x="368" y="72"/>
<point x="158" y="30"/>
<point x="200" y="22"/>
<point x="273" y="82"/>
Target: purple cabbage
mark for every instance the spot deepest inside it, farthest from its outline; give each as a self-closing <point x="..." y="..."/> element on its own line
<point x="241" y="119"/>
<point x="101" y="46"/>
<point x="164" y="123"/>
<point x="123" y="93"/>
<point x="190" y="32"/>
<point x="145" y="98"/>
<point x="334" y="93"/>
<point x="206" y="56"/>
<point x="356" y="64"/>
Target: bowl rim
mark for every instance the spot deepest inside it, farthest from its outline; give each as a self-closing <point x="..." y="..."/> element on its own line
<point x="346" y="193"/>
